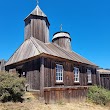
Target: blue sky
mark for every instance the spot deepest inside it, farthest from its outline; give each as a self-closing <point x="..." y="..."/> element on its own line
<point x="88" y="22"/>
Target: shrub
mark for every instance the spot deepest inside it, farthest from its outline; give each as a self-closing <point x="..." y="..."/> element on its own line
<point x="11" y="87"/>
<point x="99" y="95"/>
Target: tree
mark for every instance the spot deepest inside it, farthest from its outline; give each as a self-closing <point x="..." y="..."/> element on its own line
<point x="11" y="87"/>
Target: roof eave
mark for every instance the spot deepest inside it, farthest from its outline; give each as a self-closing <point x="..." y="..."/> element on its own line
<point x="43" y="55"/>
<point x="25" y="60"/>
<point x="28" y="17"/>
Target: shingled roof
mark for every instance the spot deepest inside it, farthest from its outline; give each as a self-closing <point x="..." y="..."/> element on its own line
<point x="34" y="47"/>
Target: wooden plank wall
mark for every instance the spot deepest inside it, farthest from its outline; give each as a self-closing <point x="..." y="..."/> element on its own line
<point x="27" y="29"/>
<point x="68" y="75"/>
<point x="37" y="27"/>
<point x="53" y="95"/>
<point x="2" y="65"/>
<point x="63" y="42"/>
<point x="105" y="81"/>
<point x="32" y="72"/>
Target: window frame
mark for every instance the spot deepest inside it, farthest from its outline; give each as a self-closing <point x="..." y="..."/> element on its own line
<point x="89" y="76"/>
<point x="78" y="77"/>
<point x="24" y="73"/>
<point x="59" y="73"/>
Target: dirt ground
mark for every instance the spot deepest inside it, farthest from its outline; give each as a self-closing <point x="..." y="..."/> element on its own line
<point x="36" y="105"/>
<point x="31" y="103"/>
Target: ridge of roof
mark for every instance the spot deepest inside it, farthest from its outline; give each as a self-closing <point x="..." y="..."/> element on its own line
<point x="40" y="51"/>
<point x="38" y="11"/>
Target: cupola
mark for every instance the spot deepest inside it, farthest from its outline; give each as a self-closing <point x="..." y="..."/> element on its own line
<point x="62" y="39"/>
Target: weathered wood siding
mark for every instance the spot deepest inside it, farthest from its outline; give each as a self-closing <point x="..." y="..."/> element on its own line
<point x="52" y="95"/>
<point x="27" y="29"/>
<point x="32" y="72"/>
<point x="105" y="81"/>
<point x="2" y="65"/>
<point x="68" y="74"/>
<point x="63" y="42"/>
<point x="37" y="27"/>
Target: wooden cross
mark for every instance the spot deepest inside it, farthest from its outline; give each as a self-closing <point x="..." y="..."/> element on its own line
<point x="61" y="27"/>
<point x="37" y="2"/>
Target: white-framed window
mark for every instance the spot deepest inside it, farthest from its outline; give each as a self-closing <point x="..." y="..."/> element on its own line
<point x="59" y="73"/>
<point x="89" y="74"/>
<point x="24" y="73"/>
<point x="76" y="74"/>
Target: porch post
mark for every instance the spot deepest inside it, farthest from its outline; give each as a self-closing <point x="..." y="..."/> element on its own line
<point x="42" y="77"/>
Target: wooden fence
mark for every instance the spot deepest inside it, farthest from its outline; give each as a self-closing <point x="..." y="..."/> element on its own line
<point x="68" y="94"/>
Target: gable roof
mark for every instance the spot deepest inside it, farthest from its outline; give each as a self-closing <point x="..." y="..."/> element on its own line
<point x="34" y="47"/>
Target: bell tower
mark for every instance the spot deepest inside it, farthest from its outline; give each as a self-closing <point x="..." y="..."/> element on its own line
<point x="37" y="25"/>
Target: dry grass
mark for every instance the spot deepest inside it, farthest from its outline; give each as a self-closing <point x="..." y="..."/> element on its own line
<point x="32" y="103"/>
<point x="36" y="105"/>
